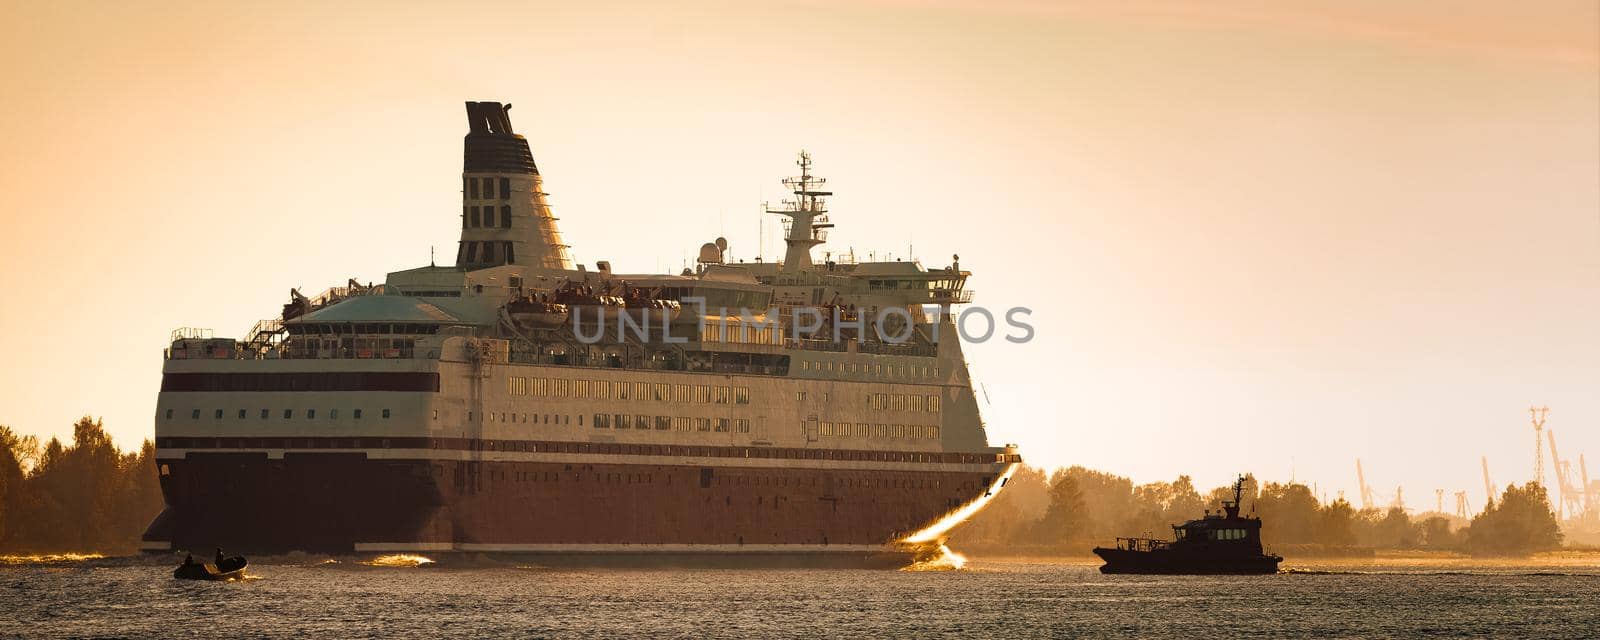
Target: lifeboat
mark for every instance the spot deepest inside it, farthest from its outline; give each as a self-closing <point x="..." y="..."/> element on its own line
<point x="587" y="304"/>
<point x="537" y="312"/>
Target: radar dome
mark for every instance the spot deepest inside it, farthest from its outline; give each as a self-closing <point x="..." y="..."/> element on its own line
<point x="710" y="254"/>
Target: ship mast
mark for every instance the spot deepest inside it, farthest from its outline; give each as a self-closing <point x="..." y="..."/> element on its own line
<point x="808" y="224"/>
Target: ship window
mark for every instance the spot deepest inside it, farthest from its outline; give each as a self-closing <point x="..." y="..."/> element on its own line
<point x="488" y="188"/>
<point x="505" y="217"/>
<point x="663" y="423"/>
<point x="472" y="187"/>
<point x="288" y="414"/>
<point x="264" y="414"/>
<point x="435" y="414"/>
<point x="194" y="415"/>
<point x="722" y="425"/>
<point x="169" y="414"/>
<point x="241" y="414"/>
<point x="356" y="414"/>
<point x="641" y="422"/>
<point x="311" y="414"/>
<point x="218" y="415"/>
<point x="505" y="188"/>
<point x="800" y="396"/>
<point x="333" y="414"/>
<point x="742" y="425"/>
<point x="472" y="250"/>
<point x="488" y="216"/>
<point x="488" y="252"/>
<point x="702" y="424"/>
<point x="385" y="413"/>
<point x="477" y="220"/>
<point x="622" y="420"/>
<point x="511" y="256"/>
<point x="580" y="419"/>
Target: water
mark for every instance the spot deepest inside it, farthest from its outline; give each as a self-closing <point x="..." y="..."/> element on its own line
<point x="312" y="597"/>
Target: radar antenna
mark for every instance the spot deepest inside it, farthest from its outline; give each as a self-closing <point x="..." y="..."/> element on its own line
<point x="807" y="224"/>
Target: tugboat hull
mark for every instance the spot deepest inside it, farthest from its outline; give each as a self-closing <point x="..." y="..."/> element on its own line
<point x="1168" y="562"/>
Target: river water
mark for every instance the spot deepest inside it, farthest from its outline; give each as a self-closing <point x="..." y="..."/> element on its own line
<point x="312" y="597"/>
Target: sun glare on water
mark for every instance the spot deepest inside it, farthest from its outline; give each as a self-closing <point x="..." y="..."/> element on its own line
<point x="937" y="530"/>
<point x="399" y="560"/>
<point x="49" y="558"/>
<point x="932" y="554"/>
<point x="940" y="558"/>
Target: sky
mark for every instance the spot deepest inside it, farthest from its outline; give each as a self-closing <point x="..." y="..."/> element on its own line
<point x="1257" y="236"/>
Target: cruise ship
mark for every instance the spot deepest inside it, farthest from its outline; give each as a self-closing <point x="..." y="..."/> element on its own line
<point x="519" y="402"/>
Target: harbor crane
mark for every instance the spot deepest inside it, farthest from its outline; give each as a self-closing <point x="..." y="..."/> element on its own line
<point x="1366" y="491"/>
<point x="1591" y="492"/>
<point x="1571" y="500"/>
<point x="1538" y="414"/>
<point x="1461" y="505"/>
<point x="1488" y="485"/>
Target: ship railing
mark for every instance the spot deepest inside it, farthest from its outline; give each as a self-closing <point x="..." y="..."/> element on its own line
<point x="1141" y="544"/>
<point x="248" y="351"/>
<point x="335" y="294"/>
<point x="954" y="296"/>
<point x="190" y="333"/>
<point x="266" y="329"/>
<point x="875" y="348"/>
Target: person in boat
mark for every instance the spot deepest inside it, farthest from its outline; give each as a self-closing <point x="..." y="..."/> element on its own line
<point x="188" y="559"/>
<point x="219" y="557"/>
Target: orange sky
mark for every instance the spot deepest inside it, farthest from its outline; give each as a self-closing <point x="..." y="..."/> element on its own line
<point x="1263" y="236"/>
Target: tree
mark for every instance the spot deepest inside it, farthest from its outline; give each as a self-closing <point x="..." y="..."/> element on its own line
<point x="86" y="497"/>
<point x="1520" y="523"/>
<point x="1288" y="514"/>
<point x="1065" y="520"/>
<point x="1436" y="533"/>
<point x="1395" y="530"/>
<point x="1335" y="526"/>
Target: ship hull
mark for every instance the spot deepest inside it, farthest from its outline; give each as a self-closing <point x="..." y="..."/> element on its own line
<point x="1169" y="562"/>
<point x="567" y="509"/>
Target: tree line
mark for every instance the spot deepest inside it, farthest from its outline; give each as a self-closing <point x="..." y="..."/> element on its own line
<point x="90" y="496"/>
<point x="1071" y="510"/>
<point x="84" y="497"/>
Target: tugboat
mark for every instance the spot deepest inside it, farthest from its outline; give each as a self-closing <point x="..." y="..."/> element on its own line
<point x="1218" y="543"/>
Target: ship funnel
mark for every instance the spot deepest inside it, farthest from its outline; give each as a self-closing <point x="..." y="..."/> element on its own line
<point x="505" y="218"/>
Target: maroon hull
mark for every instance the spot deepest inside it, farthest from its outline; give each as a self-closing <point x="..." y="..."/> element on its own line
<point x="342" y="502"/>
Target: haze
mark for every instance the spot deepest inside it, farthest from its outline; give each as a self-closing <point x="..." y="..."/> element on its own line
<point x="1268" y="237"/>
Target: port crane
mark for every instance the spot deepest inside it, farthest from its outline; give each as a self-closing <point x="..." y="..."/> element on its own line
<point x="1571" y="501"/>
<point x="1366" y="491"/>
<point x="1538" y="414"/>
<point x="1488" y="485"/>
